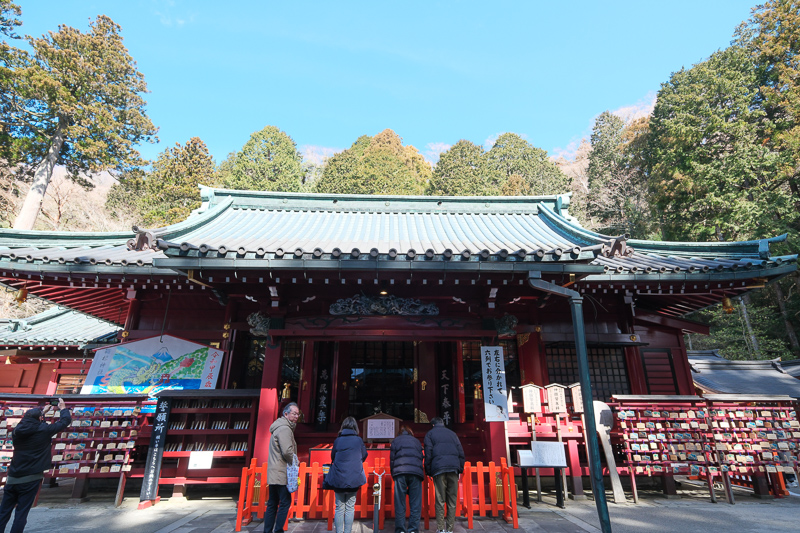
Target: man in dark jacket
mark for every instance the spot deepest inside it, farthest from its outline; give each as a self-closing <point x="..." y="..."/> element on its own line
<point x="32" y="456"/>
<point x="405" y="462"/>
<point x="444" y="461"/>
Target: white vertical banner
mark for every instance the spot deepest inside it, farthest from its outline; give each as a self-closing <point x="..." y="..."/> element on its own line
<point x="495" y="394"/>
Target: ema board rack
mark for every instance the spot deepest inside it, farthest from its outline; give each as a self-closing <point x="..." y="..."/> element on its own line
<point x="742" y="440"/>
<point x="98" y="443"/>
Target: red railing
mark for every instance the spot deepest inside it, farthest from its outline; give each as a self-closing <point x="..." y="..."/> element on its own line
<point x="479" y="494"/>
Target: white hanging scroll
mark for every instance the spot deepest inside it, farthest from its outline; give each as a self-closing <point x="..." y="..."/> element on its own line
<point x="556" y="398"/>
<point x="495" y="394"/>
<point x="532" y="398"/>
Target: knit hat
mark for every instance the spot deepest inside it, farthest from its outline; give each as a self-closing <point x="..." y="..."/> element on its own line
<point x="34" y="413"/>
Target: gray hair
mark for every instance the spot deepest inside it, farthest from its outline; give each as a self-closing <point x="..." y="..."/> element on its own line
<point x="437" y="421"/>
<point x="289" y="408"/>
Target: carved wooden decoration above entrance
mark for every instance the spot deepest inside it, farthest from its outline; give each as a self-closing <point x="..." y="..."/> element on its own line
<point x="361" y="304"/>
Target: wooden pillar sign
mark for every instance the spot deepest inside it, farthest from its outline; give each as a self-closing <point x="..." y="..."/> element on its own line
<point x="495" y="394"/>
<point x="557" y="405"/>
<point x="152" y="468"/>
<point x="532" y="403"/>
<point x="577" y="407"/>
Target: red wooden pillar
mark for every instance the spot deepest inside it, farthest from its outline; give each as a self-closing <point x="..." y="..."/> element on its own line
<point x="269" y="401"/>
<point x="531" y="358"/>
<point x="683" y="371"/>
<point x="633" y="363"/>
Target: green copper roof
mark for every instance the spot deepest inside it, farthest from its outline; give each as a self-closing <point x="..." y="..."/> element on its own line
<point x="58" y="326"/>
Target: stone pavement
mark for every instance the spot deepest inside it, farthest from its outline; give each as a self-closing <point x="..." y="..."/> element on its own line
<point x="214" y="511"/>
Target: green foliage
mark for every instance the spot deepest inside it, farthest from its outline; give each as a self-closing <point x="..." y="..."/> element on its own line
<point x="617" y="200"/>
<point x="464" y="171"/>
<point x="527" y="167"/>
<point x="729" y="332"/>
<point x="169" y="192"/>
<point x="711" y="176"/>
<point x="775" y="43"/>
<point x="376" y="165"/>
<point x="269" y="161"/>
<point x="87" y="85"/>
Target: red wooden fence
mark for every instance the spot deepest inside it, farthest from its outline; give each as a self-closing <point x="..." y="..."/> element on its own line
<point x="478" y="483"/>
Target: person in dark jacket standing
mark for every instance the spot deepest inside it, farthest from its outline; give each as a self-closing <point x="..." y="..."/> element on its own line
<point x="406" y="465"/>
<point x="346" y="474"/>
<point x="32" y="456"/>
<point x="444" y="461"/>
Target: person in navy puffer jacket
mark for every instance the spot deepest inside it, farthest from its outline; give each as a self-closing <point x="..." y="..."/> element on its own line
<point x="444" y="461"/>
<point x="32" y="456"/>
<point x="408" y="473"/>
<point x="346" y="474"/>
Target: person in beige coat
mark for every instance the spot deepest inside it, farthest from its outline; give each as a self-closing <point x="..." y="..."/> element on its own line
<point x="282" y="448"/>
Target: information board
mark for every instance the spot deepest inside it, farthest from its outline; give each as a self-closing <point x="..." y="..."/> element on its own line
<point x="200" y="460"/>
<point x="577" y="397"/>
<point x="543" y="455"/>
<point x="532" y="399"/>
<point x="381" y="428"/>
<point x="556" y="399"/>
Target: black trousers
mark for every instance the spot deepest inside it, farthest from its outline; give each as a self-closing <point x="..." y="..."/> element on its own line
<point x="22" y="497"/>
<point x="280" y="499"/>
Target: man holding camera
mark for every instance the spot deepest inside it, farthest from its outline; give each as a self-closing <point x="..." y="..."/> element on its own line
<point x="32" y="456"/>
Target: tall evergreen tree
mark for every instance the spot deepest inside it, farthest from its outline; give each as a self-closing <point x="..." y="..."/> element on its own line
<point x="376" y="165"/>
<point x="269" y="161"/>
<point x="527" y="167"/>
<point x="170" y="191"/>
<point x="463" y="170"/>
<point x="711" y="177"/>
<point x="77" y="100"/>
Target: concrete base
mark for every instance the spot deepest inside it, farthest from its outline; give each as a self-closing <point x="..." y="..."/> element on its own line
<point x="78" y="500"/>
<point x="577" y="496"/>
<point x="672" y="496"/>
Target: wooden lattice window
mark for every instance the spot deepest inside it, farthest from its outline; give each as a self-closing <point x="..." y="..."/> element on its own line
<point x="607" y="370"/>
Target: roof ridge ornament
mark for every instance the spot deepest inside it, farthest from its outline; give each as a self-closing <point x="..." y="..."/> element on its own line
<point x="144" y="240"/>
<point x="617" y="247"/>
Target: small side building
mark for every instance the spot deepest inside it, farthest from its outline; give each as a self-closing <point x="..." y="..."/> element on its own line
<point x="713" y="374"/>
<point x="51" y="352"/>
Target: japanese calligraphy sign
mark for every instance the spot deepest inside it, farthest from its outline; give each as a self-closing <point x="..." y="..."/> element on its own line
<point x="495" y="394"/>
<point x="446" y="396"/>
<point x="323" y="400"/>
<point x="152" y="467"/>
<point x="148" y="366"/>
<point x="556" y="398"/>
<point x="532" y="399"/>
<point x="577" y="397"/>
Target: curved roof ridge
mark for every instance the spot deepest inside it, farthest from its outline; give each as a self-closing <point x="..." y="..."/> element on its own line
<point x="212" y="196"/>
<point x="197" y="219"/>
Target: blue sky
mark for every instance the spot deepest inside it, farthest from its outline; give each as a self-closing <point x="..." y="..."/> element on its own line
<point x="434" y="72"/>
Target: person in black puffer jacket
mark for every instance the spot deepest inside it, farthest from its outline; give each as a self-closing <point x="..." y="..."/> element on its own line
<point x="346" y="474"/>
<point x="444" y="461"/>
<point x="32" y="456"/>
<point x="407" y="471"/>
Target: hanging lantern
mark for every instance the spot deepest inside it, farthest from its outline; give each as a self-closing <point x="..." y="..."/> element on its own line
<point x="727" y="305"/>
